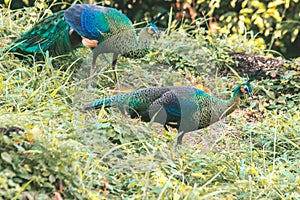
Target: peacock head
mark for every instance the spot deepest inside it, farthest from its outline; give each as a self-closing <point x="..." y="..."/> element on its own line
<point x="152" y="30"/>
<point x="147" y="35"/>
<point x="244" y="88"/>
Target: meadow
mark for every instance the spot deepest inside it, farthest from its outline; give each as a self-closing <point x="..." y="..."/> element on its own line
<point x="64" y="153"/>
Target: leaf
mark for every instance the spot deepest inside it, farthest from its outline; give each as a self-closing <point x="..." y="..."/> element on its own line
<point x="19" y="148"/>
<point x="244" y="4"/>
<point x="294" y="35"/>
<point x="257" y="4"/>
<point x="246" y="11"/>
<point x="274" y="4"/>
<point x="132" y="183"/>
<point x="277" y="33"/>
<point x="290" y="74"/>
<point x="287" y="3"/>
<point x="259" y="22"/>
<point x="55" y="91"/>
<point x="22" y="189"/>
<point x="269" y="93"/>
<point x="52" y="178"/>
<point x="275" y="14"/>
<point x="2" y="85"/>
<point x="6" y="157"/>
<point x="176" y="196"/>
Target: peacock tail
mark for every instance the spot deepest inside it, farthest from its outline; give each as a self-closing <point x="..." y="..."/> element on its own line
<point x="134" y="103"/>
<point x="184" y="108"/>
<point x="51" y="33"/>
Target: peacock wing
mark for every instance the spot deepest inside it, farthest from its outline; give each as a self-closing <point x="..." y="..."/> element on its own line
<point x="173" y="106"/>
<point x="137" y="103"/>
<point x="181" y="108"/>
<point x="92" y="21"/>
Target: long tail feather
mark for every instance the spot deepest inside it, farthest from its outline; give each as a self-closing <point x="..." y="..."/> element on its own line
<point x="98" y="104"/>
<point x="50" y="34"/>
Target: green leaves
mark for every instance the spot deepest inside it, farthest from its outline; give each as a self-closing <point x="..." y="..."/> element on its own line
<point x="6" y="157"/>
<point x="275" y="21"/>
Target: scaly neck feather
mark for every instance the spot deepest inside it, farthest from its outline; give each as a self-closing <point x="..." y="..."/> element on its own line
<point x="145" y="39"/>
<point x="233" y="102"/>
<point x="223" y="108"/>
<point x="143" y="45"/>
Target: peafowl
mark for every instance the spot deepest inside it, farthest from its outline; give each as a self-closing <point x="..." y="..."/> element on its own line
<point x="104" y="29"/>
<point x="185" y="108"/>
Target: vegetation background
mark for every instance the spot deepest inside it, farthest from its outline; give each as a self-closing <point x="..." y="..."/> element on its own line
<point x="64" y="153"/>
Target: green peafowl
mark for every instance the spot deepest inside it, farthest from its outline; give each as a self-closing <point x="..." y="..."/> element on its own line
<point x="184" y="108"/>
<point x="104" y="29"/>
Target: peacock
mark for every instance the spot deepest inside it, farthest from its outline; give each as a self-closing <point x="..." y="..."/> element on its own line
<point x="103" y="29"/>
<point x="185" y="108"/>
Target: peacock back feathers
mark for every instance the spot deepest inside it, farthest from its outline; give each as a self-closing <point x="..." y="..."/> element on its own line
<point x="97" y="22"/>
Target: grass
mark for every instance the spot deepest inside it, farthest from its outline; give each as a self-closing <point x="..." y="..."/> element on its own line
<point x="252" y="154"/>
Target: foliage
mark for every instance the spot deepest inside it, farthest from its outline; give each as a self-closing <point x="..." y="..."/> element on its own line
<point x="275" y="21"/>
<point x="253" y="153"/>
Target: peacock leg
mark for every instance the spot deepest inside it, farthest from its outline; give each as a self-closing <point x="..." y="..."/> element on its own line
<point x="166" y="128"/>
<point x="95" y="55"/>
<point x="92" y="71"/>
<point x="179" y="138"/>
<point x="114" y="67"/>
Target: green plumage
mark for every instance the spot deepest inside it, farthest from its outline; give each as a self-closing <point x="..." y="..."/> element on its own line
<point x="184" y="108"/>
<point x="51" y="33"/>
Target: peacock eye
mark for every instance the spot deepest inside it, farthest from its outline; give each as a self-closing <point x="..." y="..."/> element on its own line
<point x="150" y="30"/>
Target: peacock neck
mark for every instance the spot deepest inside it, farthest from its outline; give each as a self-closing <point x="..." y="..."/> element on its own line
<point x="142" y="49"/>
<point x="233" y="102"/>
<point x="223" y="108"/>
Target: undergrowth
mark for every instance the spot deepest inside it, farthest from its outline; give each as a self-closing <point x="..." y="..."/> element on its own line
<point x="253" y="153"/>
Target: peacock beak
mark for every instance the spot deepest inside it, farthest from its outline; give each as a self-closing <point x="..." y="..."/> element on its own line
<point x="156" y="35"/>
<point x="251" y="95"/>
